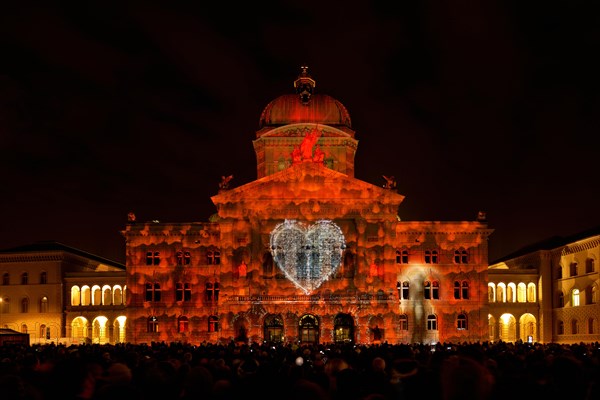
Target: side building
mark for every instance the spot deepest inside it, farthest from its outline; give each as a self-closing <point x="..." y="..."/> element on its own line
<point x="547" y="292"/>
<point x="56" y="293"/>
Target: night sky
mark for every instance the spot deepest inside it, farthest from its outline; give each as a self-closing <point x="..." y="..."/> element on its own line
<point x="116" y="107"/>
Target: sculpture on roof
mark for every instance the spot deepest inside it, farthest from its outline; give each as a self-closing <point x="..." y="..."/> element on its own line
<point x="390" y="182"/>
<point x="225" y="182"/>
<point x="309" y="141"/>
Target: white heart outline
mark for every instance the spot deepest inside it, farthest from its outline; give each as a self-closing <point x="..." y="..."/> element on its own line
<point x="315" y="253"/>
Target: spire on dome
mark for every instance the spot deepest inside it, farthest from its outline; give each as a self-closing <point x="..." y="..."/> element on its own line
<point x="304" y="85"/>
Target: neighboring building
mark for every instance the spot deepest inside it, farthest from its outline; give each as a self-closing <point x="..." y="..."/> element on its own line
<point x="307" y="253"/>
<point x="56" y="293"/>
<point x="547" y="292"/>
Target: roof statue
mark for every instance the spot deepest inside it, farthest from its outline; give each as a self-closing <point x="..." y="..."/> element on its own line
<point x="390" y="182"/>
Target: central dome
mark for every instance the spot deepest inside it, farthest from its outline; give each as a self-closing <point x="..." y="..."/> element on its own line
<point x="304" y="106"/>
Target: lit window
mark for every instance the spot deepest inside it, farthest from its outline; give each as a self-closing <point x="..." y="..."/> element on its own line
<point x="575" y="294"/>
<point x="44" y="305"/>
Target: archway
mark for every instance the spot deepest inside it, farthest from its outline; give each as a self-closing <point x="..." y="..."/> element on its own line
<point x="508" y="328"/>
<point x="528" y="328"/>
<point x="273" y="328"/>
<point x="79" y="330"/>
<point x="343" y="328"/>
<point x="308" y="327"/>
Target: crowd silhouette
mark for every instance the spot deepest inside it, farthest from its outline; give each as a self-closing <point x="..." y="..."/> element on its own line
<point x="269" y="371"/>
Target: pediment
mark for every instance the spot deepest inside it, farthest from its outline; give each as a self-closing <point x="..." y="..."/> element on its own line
<point x="307" y="186"/>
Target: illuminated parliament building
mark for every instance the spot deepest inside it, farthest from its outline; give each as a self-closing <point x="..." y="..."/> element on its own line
<point x="307" y="253"/>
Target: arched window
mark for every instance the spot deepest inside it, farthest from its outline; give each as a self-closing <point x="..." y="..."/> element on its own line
<point x="461" y="257"/>
<point x="5" y="279"/>
<point x="461" y="290"/>
<point x="559" y="272"/>
<point x="491" y="292"/>
<point x="560" y="328"/>
<point x="86" y="296"/>
<point x="179" y="257"/>
<point x="24" y="328"/>
<point x="435" y="290"/>
<point x="461" y="322"/>
<point x="573" y="269"/>
<point x="431" y="322"/>
<point x="213" y="257"/>
<point x="152" y="326"/>
<point x="427" y="290"/>
<point x="106" y="295"/>
<point x="75" y="296"/>
<point x="561" y="299"/>
<point x="187" y="258"/>
<point x="117" y="295"/>
<point x="24" y="278"/>
<point x="24" y="305"/>
<point x="403" y="319"/>
<point x="402" y="256"/>
<point x="531" y="297"/>
<point x="431" y="257"/>
<point x="44" y="304"/>
<point x="589" y="266"/>
<point x="501" y="292"/>
<point x="575" y="298"/>
<point x="574" y="327"/>
<point x="43" y="277"/>
<point x="511" y="292"/>
<point x="521" y="293"/>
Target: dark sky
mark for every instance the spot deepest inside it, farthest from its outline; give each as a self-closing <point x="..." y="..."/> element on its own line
<point x="107" y="108"/>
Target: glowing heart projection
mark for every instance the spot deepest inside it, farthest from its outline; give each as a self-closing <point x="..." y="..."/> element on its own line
<point x="308" y="256"/>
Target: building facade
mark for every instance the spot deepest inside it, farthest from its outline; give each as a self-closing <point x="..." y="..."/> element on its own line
<point x="547" y="292"/>
<point x="307" y="253"/>
<point x="56" y="293"/>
